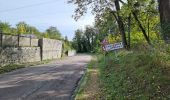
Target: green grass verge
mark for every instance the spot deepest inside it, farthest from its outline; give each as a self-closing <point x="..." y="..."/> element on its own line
<point x="136" y="75"/>
<point x="81" y="93"/>
<point x="9" y="68"/>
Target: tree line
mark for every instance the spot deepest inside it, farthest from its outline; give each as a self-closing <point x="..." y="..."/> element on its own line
<point x="86" y="41"/>
<point x="131" y="21"/>
<point x="24" y="28"/>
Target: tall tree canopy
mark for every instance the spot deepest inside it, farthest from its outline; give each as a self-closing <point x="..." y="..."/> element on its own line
<point x="87" y="40"/>
<point x="121" y="11"/>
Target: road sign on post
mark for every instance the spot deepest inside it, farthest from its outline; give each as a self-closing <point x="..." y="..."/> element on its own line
<point x="111" y="47"/>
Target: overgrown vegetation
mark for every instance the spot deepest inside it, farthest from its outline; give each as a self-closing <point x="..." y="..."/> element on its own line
<point x="143" y="71"/>
<point x="137" y="74"/>
<point x="10" y="67"/>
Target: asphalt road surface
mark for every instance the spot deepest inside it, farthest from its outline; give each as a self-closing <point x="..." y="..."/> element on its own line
<point x="54" y="81"/>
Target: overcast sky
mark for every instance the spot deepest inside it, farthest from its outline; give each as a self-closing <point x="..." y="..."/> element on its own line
<point x="42" y="14"/>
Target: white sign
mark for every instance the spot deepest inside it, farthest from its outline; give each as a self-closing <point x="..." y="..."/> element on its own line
<point x="115" y="46"/>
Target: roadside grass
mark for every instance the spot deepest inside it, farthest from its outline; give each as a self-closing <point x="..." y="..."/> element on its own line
<point x="136" y="75"/>
<point x="10" y="67"/>
<point x="89" y="87"/>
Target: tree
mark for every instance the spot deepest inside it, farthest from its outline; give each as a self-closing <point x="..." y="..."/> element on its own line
<point x="98" y="7"/>
<point x="87" y="40"/>
<point x="33" y="30"/>
<point x="53" y="33"/>
<point x="164" y="9"/>
<point x="89" y="36"/>
<point x="77" y="40"/>
<point x="5" y="27"/>
<point x="137" y="8"/>
<point x="66" y="40"/>
<point x="21" y="27"/>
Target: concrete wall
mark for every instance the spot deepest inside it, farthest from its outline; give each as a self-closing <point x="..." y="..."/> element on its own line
<point x="51" y="49"/>
<point x="29" y="50"/>
<point x="9" y="40"/>
<point x="11" y="55"/>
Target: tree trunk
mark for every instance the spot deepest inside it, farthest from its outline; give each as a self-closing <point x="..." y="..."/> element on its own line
<point x="164" y="9"/>
<point x="141" y="27"/>
<point x="129" y="30"/>
<point x="120" y="24"/>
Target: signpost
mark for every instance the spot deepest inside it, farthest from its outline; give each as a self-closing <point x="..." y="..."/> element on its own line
<point x="111" y="47"/>
<point x="106" y="46"/>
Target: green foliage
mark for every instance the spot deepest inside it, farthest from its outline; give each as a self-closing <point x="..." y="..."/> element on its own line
<point x="86" y="41"/>
<point x="53" y="33"/>
<point x="24" y="28"/>
<point x="4" y="27"/>
<point x="9" y="68"/>
<point x="67" y="45"/>
<point x="136" y="74"/>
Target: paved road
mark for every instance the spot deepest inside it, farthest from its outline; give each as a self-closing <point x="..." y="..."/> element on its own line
<point x="55" y="81"/>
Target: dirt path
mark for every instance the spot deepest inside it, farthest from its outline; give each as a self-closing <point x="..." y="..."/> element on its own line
<point x="55" y="81"/>
<point x="90" y="88"/>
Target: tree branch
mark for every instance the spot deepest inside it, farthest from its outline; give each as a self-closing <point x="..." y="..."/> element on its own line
<point x="122" y="2"/>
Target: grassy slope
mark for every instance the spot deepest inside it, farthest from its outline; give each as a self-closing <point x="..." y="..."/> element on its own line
<point x="136" y="75"/>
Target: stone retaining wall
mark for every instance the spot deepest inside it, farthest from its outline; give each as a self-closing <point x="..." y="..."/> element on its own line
<point x="29" y="50"/>
<point x="13" y="55"/>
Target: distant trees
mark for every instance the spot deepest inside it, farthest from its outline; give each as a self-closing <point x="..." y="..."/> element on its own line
<point x="85" y="41"/>
<point x="5" y="27"/>
<point x="77" y="40"/>
<point x="53" y="33"/>
<point x="24" y="28"/>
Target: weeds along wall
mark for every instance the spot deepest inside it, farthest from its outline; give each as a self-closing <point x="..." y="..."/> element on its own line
<point x="15" y="50"/>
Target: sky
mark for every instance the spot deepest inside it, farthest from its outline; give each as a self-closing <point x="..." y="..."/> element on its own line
<point x="43" y="14"/>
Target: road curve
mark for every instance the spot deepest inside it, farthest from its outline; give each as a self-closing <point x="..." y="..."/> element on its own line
<point x="54" y="81"/>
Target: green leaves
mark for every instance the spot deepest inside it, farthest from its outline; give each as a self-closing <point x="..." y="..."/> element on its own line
<point x="53" y="33"/>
